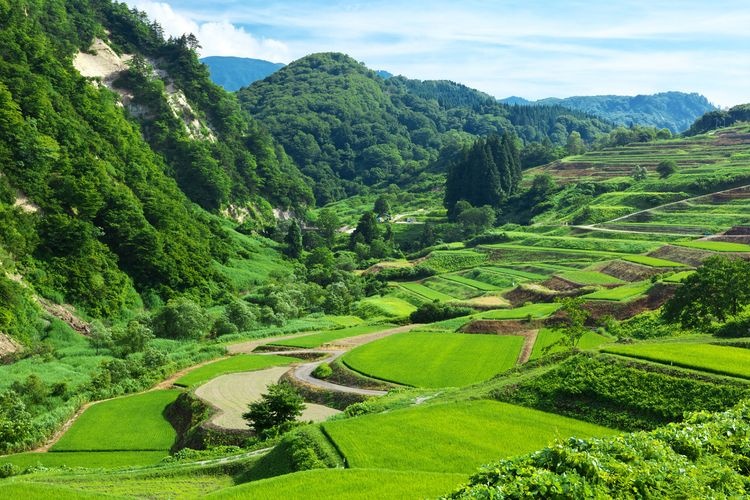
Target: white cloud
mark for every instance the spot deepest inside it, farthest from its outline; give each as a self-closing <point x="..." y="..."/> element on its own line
<point x="533" y="48"/>
<point x="217" y="38"/>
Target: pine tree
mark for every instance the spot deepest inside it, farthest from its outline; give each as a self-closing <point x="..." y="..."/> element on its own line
<point x="488" y="174"/>
<point x="293" y="241"/>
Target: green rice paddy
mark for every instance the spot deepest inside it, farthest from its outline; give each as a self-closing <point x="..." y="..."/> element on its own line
<point x="733" y="361"/>
<point x="234" y="364"/>
<point x="320" y="338"/>
<point x="452" y="437"/>
<point x="424" y="359"/>
<point x="123" y="424"/>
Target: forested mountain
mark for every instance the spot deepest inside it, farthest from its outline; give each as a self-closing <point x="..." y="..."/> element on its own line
<point x="346" y="127"/>
<point x="675" y="111"/>
<point x="233" y="73"/>
<point x="99" y="178"/>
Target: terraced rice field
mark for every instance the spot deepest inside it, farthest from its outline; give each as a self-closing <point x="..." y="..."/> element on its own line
<point x="535" y="311"/>
<point x="348" y="483"/>
<point x="320" y="338"/>
<point x="652" y="261"/>
<point x="388" y="305"/>
<point x="452" y="288"/>
<point x="453" y="437"/>
<point x="425" y="292"/>
<point x="621" y="293"/>
<point x="547" y="337"/>
<point x="715" y="246"/>
<point x="123" y="424"/>
<point x="678" y="277"/>
<point x="234" y="364"/>
<point x="454" y="260"/>
<point x="479" y="285"/>
<point x="540" y="273"/>
<point x="424" y="359"/>
<point x="590" y="278"/>
<point x="88" y="459"/>
<point x="733" y="361"/>
<point x="590" y="243"/>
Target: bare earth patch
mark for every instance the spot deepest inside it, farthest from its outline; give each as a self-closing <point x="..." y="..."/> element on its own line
<point x="8" y="346"/>
<point x="230" y="395"/>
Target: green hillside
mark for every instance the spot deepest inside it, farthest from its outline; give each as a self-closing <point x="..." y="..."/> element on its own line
<point x="346" y="127"/>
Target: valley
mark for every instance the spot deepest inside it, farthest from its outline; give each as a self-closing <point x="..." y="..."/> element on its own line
<point x="337" y="283"/>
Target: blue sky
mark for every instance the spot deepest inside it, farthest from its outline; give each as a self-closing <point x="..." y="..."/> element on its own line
<point x="531" y="49"/>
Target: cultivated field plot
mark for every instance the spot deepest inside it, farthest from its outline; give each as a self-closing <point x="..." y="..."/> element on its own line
<point x="89" y="459"/>
<point x="575" y="243"/>
<point x="453" y="437"/>
<point x="733" y="361"/>
<point x="128" y="423"/>
<point x="238" y="363"/>
<point x="621" y="293"/>
<point x="547" y="337"/>
<point x="537" y="272"/>
<point x="715" y="246"/>
<point x="678" y="277"/>
<point x="426" y="293"/>
<point x="448" y="325"/>
<point x="452" y="288"/>
<point x="348" y="483"/>
<point x="534" y="311"/>
<point x="446" y="261"/>
<point x="550" y="253"/>
<point x="652" y="261"/>
<point x="165" y="482"/>
<point x="479" y="285"/>
<point x="320" y="338"/>
<point x="700" y="156"/>
<point x="47" y="491"/>
<point x="590" y="278"/>
<point x="424" y="359"/>
<point x="388" y="305"/>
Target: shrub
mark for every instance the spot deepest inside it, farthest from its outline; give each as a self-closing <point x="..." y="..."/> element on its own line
<point x="8" y="470"/>
<point x="323" y="370"/>
<point x="435" y="311"/>
<point x="181" y="318"/>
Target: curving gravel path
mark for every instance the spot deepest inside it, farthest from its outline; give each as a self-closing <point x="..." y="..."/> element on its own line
<point x="230" y="395"/>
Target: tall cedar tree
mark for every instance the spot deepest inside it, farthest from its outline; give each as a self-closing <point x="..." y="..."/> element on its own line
<point x="488" y="174"/>
<point x="293" y="241"/>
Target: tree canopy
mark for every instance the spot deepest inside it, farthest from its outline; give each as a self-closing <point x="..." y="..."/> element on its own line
<point x="719" y="289"/>
<point x="488" y="174"/>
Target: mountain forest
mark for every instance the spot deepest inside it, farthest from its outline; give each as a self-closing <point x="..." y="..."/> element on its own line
<point x="339" y="283"/>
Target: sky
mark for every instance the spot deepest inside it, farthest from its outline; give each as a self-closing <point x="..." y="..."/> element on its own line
<point x="532" y="49"/>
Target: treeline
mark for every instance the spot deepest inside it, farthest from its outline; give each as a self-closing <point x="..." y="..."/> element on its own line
<point x="347" y="128"/>
<point x="717" y="119"/>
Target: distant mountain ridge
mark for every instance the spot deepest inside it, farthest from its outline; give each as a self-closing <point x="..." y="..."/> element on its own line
<point x="233" y="73"/>
<point x="675" y="111"/>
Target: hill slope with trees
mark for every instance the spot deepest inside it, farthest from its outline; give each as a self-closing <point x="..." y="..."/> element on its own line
<point x="346" y="127"/>
<point x="100" y="202"/>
